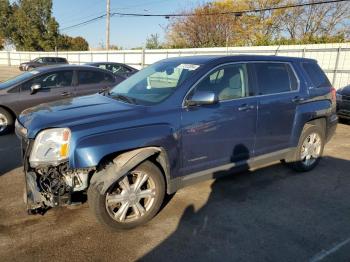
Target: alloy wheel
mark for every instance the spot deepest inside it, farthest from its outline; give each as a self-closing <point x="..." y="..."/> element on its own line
<point x="131" y="198"/>
<point x="3" y="122"/>
<point x="311" y="149"/>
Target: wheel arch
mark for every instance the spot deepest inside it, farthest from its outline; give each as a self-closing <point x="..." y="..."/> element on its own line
<point x="13" y="114"/>
<point x="319" y="121"/>
<point x="115" y="165"/>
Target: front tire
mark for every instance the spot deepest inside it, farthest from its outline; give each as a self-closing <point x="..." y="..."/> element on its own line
<point x="132" y="201"/>
<point x="6" y="121"/>
<point x="310" y="149"/>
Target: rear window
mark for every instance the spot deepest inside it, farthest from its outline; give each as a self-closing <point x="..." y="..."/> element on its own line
<point x="316" y="75"/>
<point x="275" y="78"/>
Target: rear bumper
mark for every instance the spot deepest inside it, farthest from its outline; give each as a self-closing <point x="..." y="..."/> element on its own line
<point x="22" y="68"/>
<point x="343" y="108"/>
<point x="331" y="126"/>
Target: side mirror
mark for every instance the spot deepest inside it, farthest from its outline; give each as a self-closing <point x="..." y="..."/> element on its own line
<point x="34" y="88"/>
<point x="202" y="98"/>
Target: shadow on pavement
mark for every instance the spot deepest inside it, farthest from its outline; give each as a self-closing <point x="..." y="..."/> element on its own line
<point x="10" y="153"/>
<point x="272" y="214"/>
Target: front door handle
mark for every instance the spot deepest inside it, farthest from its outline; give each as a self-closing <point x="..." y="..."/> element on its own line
<point x="66" y="94"/>
<point x="245" y="107"/>
<point x="298" y="99"/>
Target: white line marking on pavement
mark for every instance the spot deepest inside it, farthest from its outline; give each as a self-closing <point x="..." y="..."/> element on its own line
<point x="325" y="253"/>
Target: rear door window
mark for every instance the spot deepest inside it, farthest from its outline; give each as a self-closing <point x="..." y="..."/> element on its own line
<point x="102" y="66"/>
<point x="109" y="78"/>
<point x="49" y="60"/>
<point x="119" y="69"/>
<point x="316" y="75"/>
<point x="61" y="60"/>
<point x="275" y="78"/>
<point x="87" y="77"/>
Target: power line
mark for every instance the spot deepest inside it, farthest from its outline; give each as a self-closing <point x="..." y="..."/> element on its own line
<point x="236" y="13"/>
<point x="141" y="5"/>
<point x="108" y="23"/>
<point x="67" y="23"/>
<point x="84" y="23"/>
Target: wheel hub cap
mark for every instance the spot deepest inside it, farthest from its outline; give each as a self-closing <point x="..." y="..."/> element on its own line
<point x="132" y="197"/>
<point x="3" y="122"/>
<point x="311" y="149"/>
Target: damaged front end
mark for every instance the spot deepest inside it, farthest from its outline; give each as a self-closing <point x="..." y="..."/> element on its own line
<point x="52" y="186"/>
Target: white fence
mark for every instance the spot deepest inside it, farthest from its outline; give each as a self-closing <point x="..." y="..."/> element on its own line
<point x="333" y="58"/>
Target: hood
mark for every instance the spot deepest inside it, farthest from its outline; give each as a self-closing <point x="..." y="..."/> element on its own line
<point x="345" y="91"/>
<point x="74" y="112"/>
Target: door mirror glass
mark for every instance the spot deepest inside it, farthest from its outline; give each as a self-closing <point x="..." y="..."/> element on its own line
<point x="203" y="98"/>
<point x="35" y="88"/>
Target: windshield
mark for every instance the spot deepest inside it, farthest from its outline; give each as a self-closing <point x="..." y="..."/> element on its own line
<point x="154" y="83"/>
<point x="17" y="79"/>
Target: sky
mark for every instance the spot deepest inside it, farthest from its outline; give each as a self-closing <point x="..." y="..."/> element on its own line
<point x="126" y="32"/>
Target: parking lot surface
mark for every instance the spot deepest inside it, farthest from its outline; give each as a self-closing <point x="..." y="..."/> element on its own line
<point x="7" y="72"/>
<point x="272" y="214"/>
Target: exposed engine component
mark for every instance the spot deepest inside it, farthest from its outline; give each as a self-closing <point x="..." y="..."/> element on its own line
<point x="77" y="179"/>
<point x="52" y="182"/>
<point x="54" y="186"/>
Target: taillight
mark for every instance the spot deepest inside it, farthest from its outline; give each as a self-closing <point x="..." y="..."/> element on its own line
<point x="334" y="94"/>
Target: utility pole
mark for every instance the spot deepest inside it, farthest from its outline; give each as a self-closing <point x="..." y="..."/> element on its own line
<point x="108" y="24"/>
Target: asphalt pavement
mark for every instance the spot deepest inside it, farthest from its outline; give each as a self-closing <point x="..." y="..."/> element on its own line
<point x="272" y="214"/>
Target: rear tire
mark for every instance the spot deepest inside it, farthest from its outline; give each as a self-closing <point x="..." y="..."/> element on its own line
<point x="310" y="148"/>
<point x="6" y="121"/>
<point x="127" y="203"/>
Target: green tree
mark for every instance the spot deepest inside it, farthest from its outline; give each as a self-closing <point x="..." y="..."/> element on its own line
<point x="309" y="24"/>
<point x="152" y="42"/>
<point x="115" y="47"/>
<point x="5" y="12"/>
<point x="30" y="26"/>
<point x="69" y="43"/>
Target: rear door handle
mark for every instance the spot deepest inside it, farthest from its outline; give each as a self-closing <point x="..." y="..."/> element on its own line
<point x="66" y="94"/>
<point x="298" y="99"/>
<point x="245" y="107"/>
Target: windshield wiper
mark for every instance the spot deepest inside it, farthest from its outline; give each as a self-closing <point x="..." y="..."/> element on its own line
<point x="124" y="98"/>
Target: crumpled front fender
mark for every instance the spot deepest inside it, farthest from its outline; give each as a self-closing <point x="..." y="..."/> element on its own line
<point x="122" y="164"/>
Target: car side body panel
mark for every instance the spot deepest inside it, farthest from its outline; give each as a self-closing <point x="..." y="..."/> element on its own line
<point x="15" y="99"/>
<point x="92" y="149"/>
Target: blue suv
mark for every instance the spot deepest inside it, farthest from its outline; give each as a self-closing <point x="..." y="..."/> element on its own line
<point x="174" y="123"/>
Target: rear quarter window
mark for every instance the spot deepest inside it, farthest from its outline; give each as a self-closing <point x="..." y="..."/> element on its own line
<point x="317" y="77"/>
<point x="275" y="78"/>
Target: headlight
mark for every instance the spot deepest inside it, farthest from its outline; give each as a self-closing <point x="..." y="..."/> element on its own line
<point x="339" y="97"/>
<point x="50" y="147"/>
<point x="20" y="130"/>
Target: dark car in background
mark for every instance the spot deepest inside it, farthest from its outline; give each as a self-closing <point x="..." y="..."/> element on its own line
<point x="176" y="122"/>
<point x="42" y="61"/>
<point x="49" y="84"/>
<point x="118" y="69"/>
<point x="343" y="102"/>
